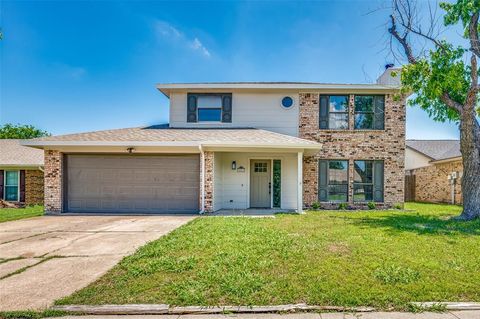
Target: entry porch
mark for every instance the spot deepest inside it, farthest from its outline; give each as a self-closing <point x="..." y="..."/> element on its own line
<point x="252" y="182"/>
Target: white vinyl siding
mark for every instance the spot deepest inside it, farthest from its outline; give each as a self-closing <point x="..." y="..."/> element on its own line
<point x="256" y="110"/>
<point x="231" y="187"/>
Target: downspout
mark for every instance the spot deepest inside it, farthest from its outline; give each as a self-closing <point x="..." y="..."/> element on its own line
<point x="202" y="178"/>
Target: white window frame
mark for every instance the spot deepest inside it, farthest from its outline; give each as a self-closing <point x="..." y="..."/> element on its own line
<point x="209" y="107"/>
<point x="5" y="184"/>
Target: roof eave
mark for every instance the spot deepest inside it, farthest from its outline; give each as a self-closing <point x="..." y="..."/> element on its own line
<point x="446" y="160"/>
<point x="23" y="166"/>
<point x="53" y="144"/>
<point x="167" y="88"/>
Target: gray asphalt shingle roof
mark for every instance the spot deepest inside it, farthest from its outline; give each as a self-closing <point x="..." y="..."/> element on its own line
<point x="436" y="149"/>
<point x="163" y="133"/>
<point x="14" y="154"/>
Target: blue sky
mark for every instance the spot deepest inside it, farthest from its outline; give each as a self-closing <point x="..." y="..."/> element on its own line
<point x="68" y="66"/>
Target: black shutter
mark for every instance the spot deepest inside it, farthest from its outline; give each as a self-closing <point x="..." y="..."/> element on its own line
<point x="1" y="184"/>
<point x="323" y="112"/>
<point x="227" y="108"/>
<point x="322" y="180"/>
<point x="22" y="186"/>
<point x="378" y="181"/>
<point x="379" y="109"/>
<point x="191" y="108"/>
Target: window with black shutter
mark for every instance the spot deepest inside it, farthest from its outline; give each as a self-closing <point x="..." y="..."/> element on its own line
<point x="369" y="112"/>
<point x="368" y="181"/>
<point x="209" y="107"/>
<point x="333" y="181"/>
<point x="333" y="112"/>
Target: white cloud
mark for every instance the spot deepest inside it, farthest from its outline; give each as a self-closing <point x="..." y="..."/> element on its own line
<point x="165" y="30"/>
<point x="197" y="45"/>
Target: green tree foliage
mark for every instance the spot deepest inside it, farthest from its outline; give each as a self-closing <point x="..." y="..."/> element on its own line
<point x="443" y="70"/>
<point x="444" y="79"/>
<point x="21" y="131"/>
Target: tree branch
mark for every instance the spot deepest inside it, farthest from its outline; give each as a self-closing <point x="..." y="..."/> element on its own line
<point x="451" y="103"/>
<point x="473" y="34"/>
<point x="402" y="40"/>
<point x="426" y="36"/>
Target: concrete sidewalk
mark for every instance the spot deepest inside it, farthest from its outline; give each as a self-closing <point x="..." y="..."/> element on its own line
<point x="467" y="314"/>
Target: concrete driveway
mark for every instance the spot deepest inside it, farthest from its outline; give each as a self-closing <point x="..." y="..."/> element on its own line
<point x="46" y="258"/>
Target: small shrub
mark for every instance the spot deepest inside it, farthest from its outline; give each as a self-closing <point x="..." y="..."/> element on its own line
<point x="371" y="205"/>
<point x="392" y="274"/>
<point x="397" y="206"/>
<point x="315" y="205"/>
<point x="342" y="206"/>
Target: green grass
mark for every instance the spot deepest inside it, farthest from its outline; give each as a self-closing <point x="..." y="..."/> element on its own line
<point x="358" y="258"/>
<point x="29" y="314"/>
<point x="8" y="214"/>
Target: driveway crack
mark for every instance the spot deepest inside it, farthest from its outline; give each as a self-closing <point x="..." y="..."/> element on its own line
<point x="17" y="239"/>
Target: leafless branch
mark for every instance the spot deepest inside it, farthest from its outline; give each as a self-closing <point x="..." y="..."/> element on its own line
<point x="402" y="40"/>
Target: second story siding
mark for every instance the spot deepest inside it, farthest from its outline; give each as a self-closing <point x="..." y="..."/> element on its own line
<point x="249" y="109"/>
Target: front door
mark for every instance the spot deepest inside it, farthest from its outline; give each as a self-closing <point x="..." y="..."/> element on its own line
<point x="260" y="186"/>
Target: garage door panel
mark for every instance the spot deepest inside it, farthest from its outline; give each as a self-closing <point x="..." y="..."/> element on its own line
<point x="132" y="184"/>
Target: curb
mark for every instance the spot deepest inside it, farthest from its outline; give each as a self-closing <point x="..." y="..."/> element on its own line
<point x="454" y="306"/>
<point x="163" y="309"/>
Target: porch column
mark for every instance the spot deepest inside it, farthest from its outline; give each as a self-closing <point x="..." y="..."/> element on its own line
<point x="206" y="191"/>
<point x="299" y="182"/>
<point x="53" y="182"/>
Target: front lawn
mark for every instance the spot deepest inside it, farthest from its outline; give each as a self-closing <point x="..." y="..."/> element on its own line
<point x="369" y="258"/>
<point x="8" y="214"/>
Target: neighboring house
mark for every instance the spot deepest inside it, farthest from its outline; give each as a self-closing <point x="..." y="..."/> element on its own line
<point x="238" y="146"/>
<point x="434" y="170"/>
<point x="21" y="173"/>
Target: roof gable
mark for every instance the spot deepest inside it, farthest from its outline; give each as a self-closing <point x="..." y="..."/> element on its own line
<point x="436" y="149"/>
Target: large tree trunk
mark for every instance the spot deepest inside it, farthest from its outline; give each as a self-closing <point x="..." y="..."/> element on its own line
<point x="470" y="148"/>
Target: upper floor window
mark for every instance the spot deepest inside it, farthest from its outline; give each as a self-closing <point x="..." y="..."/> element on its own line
<point x="209" y="107"/>
<point x="333" y="181"/>
<point x="369" y="112"/>
<point x="333" y="112"/>
<point x="368" y="181"/>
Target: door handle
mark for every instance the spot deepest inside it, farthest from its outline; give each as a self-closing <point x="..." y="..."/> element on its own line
<point x="269" y="188"/>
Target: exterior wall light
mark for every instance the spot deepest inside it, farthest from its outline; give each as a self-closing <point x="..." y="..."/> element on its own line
<point x="234" y="165"/>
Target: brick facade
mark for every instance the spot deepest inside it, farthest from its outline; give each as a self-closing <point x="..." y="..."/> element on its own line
<point x="432" y="184"/>
<point x="387" y="145"/>
<point x="34" y="187"/>
<point x="53" y="181"/>
<point x="208" y="159"/>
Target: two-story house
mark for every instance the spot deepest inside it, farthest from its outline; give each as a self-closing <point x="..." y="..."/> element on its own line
<point x="237" y="146"/>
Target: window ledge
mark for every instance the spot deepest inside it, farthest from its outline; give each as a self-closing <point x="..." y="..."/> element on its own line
<point x="351" y="131"/>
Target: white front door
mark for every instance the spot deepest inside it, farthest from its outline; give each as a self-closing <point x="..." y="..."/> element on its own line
<point x="260" y="186"/>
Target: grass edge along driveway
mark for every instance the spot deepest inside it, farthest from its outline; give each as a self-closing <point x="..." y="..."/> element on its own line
<point x="9" y="214"/>
<point x="383" y="259"/>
